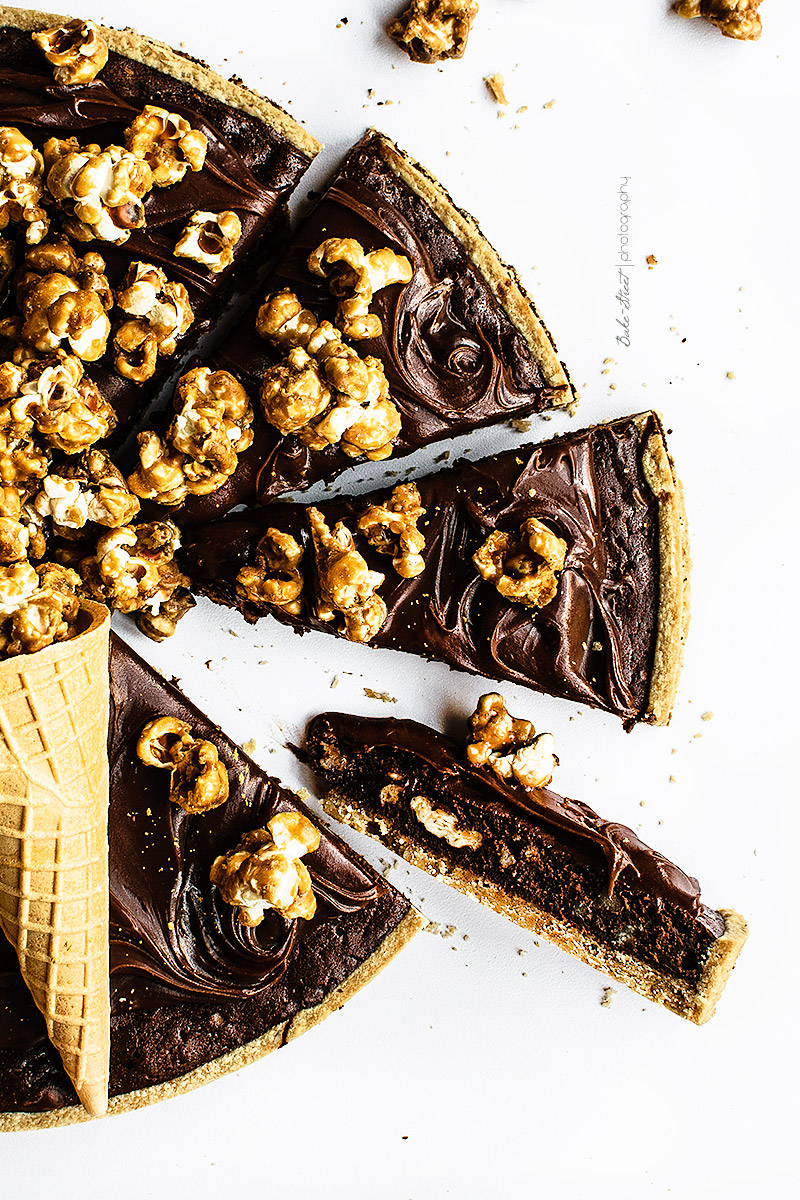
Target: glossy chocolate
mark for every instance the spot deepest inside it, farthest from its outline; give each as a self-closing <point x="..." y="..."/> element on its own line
<point x="453" y="359"/>
<point x="250" y="168"/>
<point x="594" y="643"/>
<point x="188" y="982"/>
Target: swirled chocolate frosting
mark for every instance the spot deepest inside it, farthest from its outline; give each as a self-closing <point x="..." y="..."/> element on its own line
<point x="453" y="358"/>
<point x="188" y="983"/>
<point x="251" y="168"/>
<point x="593" y="643"/>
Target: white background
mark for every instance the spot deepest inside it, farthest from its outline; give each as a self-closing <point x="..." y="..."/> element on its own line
<point x="483" y="1064"/>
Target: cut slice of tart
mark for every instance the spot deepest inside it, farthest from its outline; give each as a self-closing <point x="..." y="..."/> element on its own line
<point x="220" y="165"/>
<point x="434" y="334"/>
<point x="197" y="991"/>
<point x="484" y="820"/>
<point x="563" y="567"/>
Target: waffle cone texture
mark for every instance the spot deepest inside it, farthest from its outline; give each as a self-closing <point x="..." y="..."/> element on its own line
<point x="54" y="842"/>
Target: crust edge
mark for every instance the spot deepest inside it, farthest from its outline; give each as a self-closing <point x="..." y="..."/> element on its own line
<point x="162" y="57"/>
<point x="503" y="281"/>
<point x="242" y="1056"/>
<point x="674" y="578"/>
<point x="694" y="1003"/>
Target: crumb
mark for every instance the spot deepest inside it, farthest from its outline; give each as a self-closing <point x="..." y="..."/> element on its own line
<point x="465" y="937"/>
<point x="606" y="361"/>
<point x="672" y="779"/>
<point x="232" y="632"/>
<point x="613" y="387"/>
<point x="335" y="681"/>
<point x="641" y="804"/>
<point x="370" y="93"/>
<point x="549" y="104"/>
<point x="209" y="664"/>
<point x="496" y="86"/>
<point x="249" y="746"/>
<point x="384" y="696"/>
<point x="706" y="716"/>
<point x="698" y="735"/>
<point x="597" y="645"/>
<point x="520" y="951"/>
<point x="730" y="375"/>
<point x="608" y="995"/>
<point x="524" y="108"/>
<point x="447" y="932"/>
<point x="651" y="261"/>
<point x="674" y="750"/>
<point x="521" y="424"/>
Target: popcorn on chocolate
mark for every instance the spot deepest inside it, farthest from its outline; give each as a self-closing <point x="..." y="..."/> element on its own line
<point x="265" y="872"/>
<point x="160" y="313"/>
<point x="276" y="578"/>
<point x="167" y="143"/>
<point x="64" y="405"/>
<point x="21" y="184"/>
<point x="76" y="49"/>
<point x="37" y="607"/>
<point x="63" y="298"/>
<point x="345" y="584"/>
<point x="391" y="528"/>
<point x="523" y="566"/>
<point x="348" y="269"/>
<point x="101" y="192"/>
<point x="90" y="491"/>
<point x="209" y="239"/>
<point x="133" y="568"/>
<point x="198" y="780"/>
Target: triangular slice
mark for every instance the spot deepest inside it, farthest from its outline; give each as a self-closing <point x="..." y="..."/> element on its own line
<point x="194" y="992"/>
<point x="460" y="344"/>
<point x="484" y="820"/>
<point x="602" y="622"/>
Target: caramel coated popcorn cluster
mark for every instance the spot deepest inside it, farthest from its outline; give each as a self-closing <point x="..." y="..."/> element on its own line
<point x="76" y="49"/>
<point x="276" y="577"/>
<point x="265" y="872"/>
<point x="734" y="18"/>
<point x="523" y="566"/>
<point x="391" y="528"/>
<point x="63" y="300"/>
<point x="167" y="143"/>
<point x="209" y="239"/>
<point x="159" y="312"/>
<point x="345" y="584"/>
<point x="510" y="746"/>
<point x="431" y="31"/>
<point x="355" y="277"/>
<point x="21" y="184"/>
<point x="38" y="606"/>
<point x="198" y="780"/>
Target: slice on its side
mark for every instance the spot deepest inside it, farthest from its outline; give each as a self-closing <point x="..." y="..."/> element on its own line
<point x="194" y="993"/>
<point x="549" y="864"/>
<point x="610" y="630"/>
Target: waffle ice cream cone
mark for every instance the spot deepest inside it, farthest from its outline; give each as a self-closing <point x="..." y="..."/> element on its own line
<point x="54" y="842"/>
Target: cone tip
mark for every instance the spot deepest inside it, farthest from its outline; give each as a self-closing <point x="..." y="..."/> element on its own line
<point x="94" y="1098"/>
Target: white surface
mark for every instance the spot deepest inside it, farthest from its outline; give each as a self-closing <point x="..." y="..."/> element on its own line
<point x="489" y="1054"/>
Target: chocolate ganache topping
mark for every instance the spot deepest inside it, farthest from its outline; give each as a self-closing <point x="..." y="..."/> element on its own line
<point x="593" y="643"/>
<point x="627" y="857"/>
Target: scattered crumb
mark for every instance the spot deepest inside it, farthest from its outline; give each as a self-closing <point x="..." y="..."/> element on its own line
<point x="209" y="664"/>
<point x="606" y="361"/>
<point x="232" y="632"/>
<point x="549" y="104"/>
<point x="674" y="750"/>
<point x="520" y="951"/>
<point x="304" y="794"/>
<point x="335" y="681"/>
<point x="597" y="645"/>
<point x="706" y="716"/>
<point x="370" y="93"/>
<point x="641" y="804"/>
<point x="613" y="387"/>
<point x="263" y="662"/>
<point x="524" y="108"/>
<point x="465" y="937"/>
<point x="730" y="375"/>
<point x="521" y="424"/>
<point x="607" y="997"/>
<point x="384" y="696"/>
<point x="497" y="87"/>
<point x="672" y="779"/>
<point x="249" y="746"/>
<point x="651" y="261"/>
<point x="698" y="735"/>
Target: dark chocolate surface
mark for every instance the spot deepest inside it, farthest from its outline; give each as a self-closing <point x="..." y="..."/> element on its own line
<point x="250" y="168"/>
<point x="546" y="848"/>
<point x="594" y="643"/>
<point x="187" y="982"/>
<point x="453" y="359"/>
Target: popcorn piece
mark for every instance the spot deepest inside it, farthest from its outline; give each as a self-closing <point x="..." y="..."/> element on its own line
<point x="37" y="607"/>
<point x="522" y="567"/>
<point x="276" y="577"/>
<point x="15" y="535"/>
<point x="345" y="583"/>
<point x="162" y="624"/>
<point x="209" y="239"/>
<point x="100" y="191"/>
<point x="161" y="313"/>
<point x="733" y="18"/>
<point x="64" y="405"/>
<point x="443" y="824"/>
<point x="57" y="310"/>
<point x="431" y="31"/>
<point x="133" y="568"/>
<point x="91" y="490"/>
<point x="6" y="260"/>
<point x="21" y="184"/>
<point x="167" y="143"/>
<point x="198" y="780"/>
<point x="76" y="49"/>
<point x="392" y="529"/>
<point x="159" y="475"/>
<point x="363" y="275"/>
<point x="509" y="746"/>
<point x="21" y="458"/>
<point x="293" y="394"/>
<point x="283" y="320"/>
<point x="265" y="872"/>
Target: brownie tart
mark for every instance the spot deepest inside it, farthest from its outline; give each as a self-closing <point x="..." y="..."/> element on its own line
<point x="456" y="339"/>
<point x="254" y="159"/>
<point x="195" y="993"/>
<point x="486" y="822"/>
<point x="600" y="620"/>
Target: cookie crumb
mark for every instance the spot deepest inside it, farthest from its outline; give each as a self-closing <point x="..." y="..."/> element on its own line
<point x="521" y="424"/>
<point x="335" y="681"/>
<point x="549" y="104"/>
<point x="730" y="375"/>
<point x="651" y="261"/>
<point x="496" y="86"/>
<point x="384" y="696"/>
<point x="607" y="997"/>
<point x="249" y="746"/>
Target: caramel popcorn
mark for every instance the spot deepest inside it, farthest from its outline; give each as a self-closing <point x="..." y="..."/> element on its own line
<point x="391" y="528"/>
<point x="21" y="458"/>
<point x="167" y="143"/>
<point x="510" y="746"/>
<point x="64" y="405"/>
<point x="345" y="583"/>
<point x="21" y="184"/>
<point x="21" y="536"/>
<point x="198" y="780"/>
<point x="265" y="872"/>
<point x="56" y="310"/>
<point x="91" y="490"/>
<point x="445" y="825"/>
<point x="76" y="49"/>
<point x="6" y="260"/>
<point x="133" y="568"/>
<point x="276" y="577"/>
<point x="162" y="624"/>
<point x="362" y="275"/>
<point x="100" y="191"/>
<point x="733" y="18"/>
<point x="431" y="31"/>
<point x="37" y="607"/>
<point x="323" y="391"/>
<point x="160" y="312"/>
<point x="209" y="238"/>
<point x="523" y="567"/>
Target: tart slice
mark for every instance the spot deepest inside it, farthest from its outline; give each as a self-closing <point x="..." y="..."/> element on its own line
<point x="146" y="179"/>
<point x="388" y="323"/>
<point x="485" y="820"/>
<point x="563" y="567"/>
<point x="236" y="922"/>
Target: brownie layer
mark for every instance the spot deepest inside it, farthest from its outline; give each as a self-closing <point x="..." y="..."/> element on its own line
<point x="189" y="983"/>
<point x="453" y="357"/>
<point x="251" y="168"/>
<point x="593" y="643"/>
